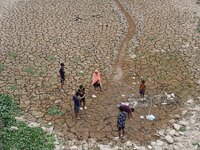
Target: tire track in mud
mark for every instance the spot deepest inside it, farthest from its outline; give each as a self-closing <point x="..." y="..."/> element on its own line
<point x="117" y="66"/>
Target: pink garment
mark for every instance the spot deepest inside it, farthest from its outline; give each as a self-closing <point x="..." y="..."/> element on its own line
<point x="96" y="77"/>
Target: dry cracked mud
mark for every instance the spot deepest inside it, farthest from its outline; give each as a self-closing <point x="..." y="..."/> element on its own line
<point x="126" y="40"/>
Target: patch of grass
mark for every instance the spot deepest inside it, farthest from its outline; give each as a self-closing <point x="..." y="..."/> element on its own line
<point x="48" y="125"/>
<point x="182" y="129"/>
<point x="198" y="27"/>
<point x="55" y="111"/>
<point x="41" y="73"/>
<point x="12" y="87"/>
<point x="27" y="138"/>
<point x="152" y="37"/>
<point x="194" y="143"/>
<point x="80" y="73"/>
<point x="23" y="137"/>
<point x="2" y="67"/>
<point x="13" y="54"/>
<point x="29" y="70"/>
<point x="51" y="58"/>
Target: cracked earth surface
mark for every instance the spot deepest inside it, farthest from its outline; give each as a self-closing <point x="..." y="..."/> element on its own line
<point x="125" y="40"/>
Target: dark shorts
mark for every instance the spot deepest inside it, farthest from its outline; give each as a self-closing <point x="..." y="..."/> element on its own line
<point x="62" y="81"/>
<point x="96" y="84"/>
<point x="76" y="109"/>
<point x="141" y="92"/>
<point x="120" y="128"/>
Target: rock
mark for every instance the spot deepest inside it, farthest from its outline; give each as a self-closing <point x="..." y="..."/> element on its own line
<point x="85" y="146"/>
<point x="190" y="101"/>
<point x="184" y="112"/>
<point x="14" y="128"/>
<point x="172" y="132"/>
<point x="128" y="143"/>
<point x="177" y="127"/>
<point x="169" y="139"/>
<point x="184" y="123"/>
<point x="74" y="147"/>
<point x="159" y="143"/>
<point x="198" y="81"/>
<point x="176" y="147"/>
<point x="181" y="133"/>
<point x="142" y="148"/>
<point x="20" y="118"/>
<point x="176" y="116"/>
<point x="58" y="102"/>
<point x="161" y="133"/>
<point x="177" y="134"/>
<point x="33" y="124"/>
<point x="37" y="114"/>
<point x="172" y="94"/>
<point x="104" y="147"/>
<point x="172" y="121"/>
<point x="153" y="143"/>
<point x="116" y="148"/>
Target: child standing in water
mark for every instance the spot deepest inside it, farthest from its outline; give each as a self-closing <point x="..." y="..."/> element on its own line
<point x="142" y="89"/>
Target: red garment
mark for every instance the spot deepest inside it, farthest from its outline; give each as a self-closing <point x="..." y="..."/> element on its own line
<point x="96" y="77"/>
<point x="142" y="87"/>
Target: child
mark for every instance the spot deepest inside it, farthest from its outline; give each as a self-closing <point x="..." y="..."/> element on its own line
<point x="96" y="80"/>
<point x="142" y="89"/>
<point x="126" y="109"/>
<point x="62" y="76"/>
<point x="76" y="105"/>
<point x="121" y="123"/>
<point x="81" y="92"/>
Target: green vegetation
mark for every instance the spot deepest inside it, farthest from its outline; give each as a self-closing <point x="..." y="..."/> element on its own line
<point x="196" y="143"/>
<point x="41" y="73"/>
<point x="51" y="58"/>
<point x="182" y="129"/>
<point x="152" y="37"/>
<point x="29" y="70"/>
<point x="80" y="73"/>
<point x="16" y="135"/>
<point x="2" y="67"/>
<point x="55" y="111"/>
<point x="198" y="27"/>
<point x="12" y="87"/>
<point x="13" y="54"/>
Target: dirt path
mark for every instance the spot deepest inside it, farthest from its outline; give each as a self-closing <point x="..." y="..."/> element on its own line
<point x="117" y="67"/>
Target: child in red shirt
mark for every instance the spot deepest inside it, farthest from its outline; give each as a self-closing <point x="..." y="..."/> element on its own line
<point x="142" y="89"/>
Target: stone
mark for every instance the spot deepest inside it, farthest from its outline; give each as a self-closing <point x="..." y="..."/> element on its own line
<point x="190" y="101"/>
<point x="161" y="133"/>
<point x="128" y="143"/>
<point x="177" y="127"/>
<point x="74" y="147"/>
<point x="58" y="102"/>
<point x="37" y="114"/>
<point x="159" y="143"/>
<point x="184" y="123"/>
<point x="13" y="128"/>
<point x="172" y="121"/>
<point x="176" y="116"/>
<point x="176" y="147"/>
<point x="34" y="124"/>
<point x="172" y="132"/>
<point x="169" y="139"/>
<point x="198" y="81"/>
